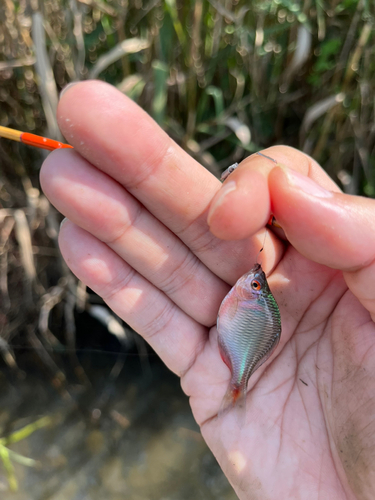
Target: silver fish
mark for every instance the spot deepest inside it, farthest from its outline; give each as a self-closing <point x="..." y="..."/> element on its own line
<point x="249" y="329"/>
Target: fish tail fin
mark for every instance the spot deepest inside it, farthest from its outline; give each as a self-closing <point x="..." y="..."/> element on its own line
<point x="235" y="398"/>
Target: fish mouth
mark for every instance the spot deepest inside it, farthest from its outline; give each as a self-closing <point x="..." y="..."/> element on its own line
<point x="256" y="268"/>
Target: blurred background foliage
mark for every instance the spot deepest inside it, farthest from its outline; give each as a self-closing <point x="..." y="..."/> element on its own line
<point x="224" y="78"/>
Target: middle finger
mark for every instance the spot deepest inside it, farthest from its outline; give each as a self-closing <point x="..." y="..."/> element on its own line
<point x="98" y="204"/>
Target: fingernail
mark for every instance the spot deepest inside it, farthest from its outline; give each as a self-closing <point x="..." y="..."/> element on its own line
<point x="228" y="187"/>
<point x="63" y="222"/>
<point x="305" y="184"/>
<point x="67" y="87"/>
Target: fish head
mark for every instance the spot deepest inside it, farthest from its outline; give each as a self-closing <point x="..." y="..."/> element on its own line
<point x="253" y="285"/>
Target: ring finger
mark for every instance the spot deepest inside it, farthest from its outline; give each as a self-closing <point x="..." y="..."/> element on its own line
<point x="174" y="335"/>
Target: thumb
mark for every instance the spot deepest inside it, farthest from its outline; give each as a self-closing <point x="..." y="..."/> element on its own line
<point x="330" y="228"/>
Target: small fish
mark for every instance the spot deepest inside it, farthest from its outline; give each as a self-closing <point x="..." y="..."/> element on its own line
<point x="249" y="329"/>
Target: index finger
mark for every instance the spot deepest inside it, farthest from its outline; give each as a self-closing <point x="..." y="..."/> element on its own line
<point x="119" y="138"/>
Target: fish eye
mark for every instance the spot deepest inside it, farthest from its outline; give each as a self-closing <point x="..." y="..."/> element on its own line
<point x="255" y="285"/>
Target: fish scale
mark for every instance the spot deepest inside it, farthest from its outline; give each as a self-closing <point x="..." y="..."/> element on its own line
<point x="249" y="329"/>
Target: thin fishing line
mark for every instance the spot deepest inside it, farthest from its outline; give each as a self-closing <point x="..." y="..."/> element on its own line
<point x="265" y="156"/>
<point x="261" y="250"/>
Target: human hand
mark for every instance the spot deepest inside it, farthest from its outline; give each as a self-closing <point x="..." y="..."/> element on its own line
<point x="137" y="234"/>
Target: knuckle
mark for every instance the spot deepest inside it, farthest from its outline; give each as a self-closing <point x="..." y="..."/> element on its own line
<point x="122" y="280"/>
<point x="150" y="166"/>
<point x="159" y="322"/>
<point x="118" y="235"/>
<point x="178" y="277"/>
<point x="201" y="241"/>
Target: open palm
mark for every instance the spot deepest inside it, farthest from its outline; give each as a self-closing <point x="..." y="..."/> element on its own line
<point x="137" y="234"/>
